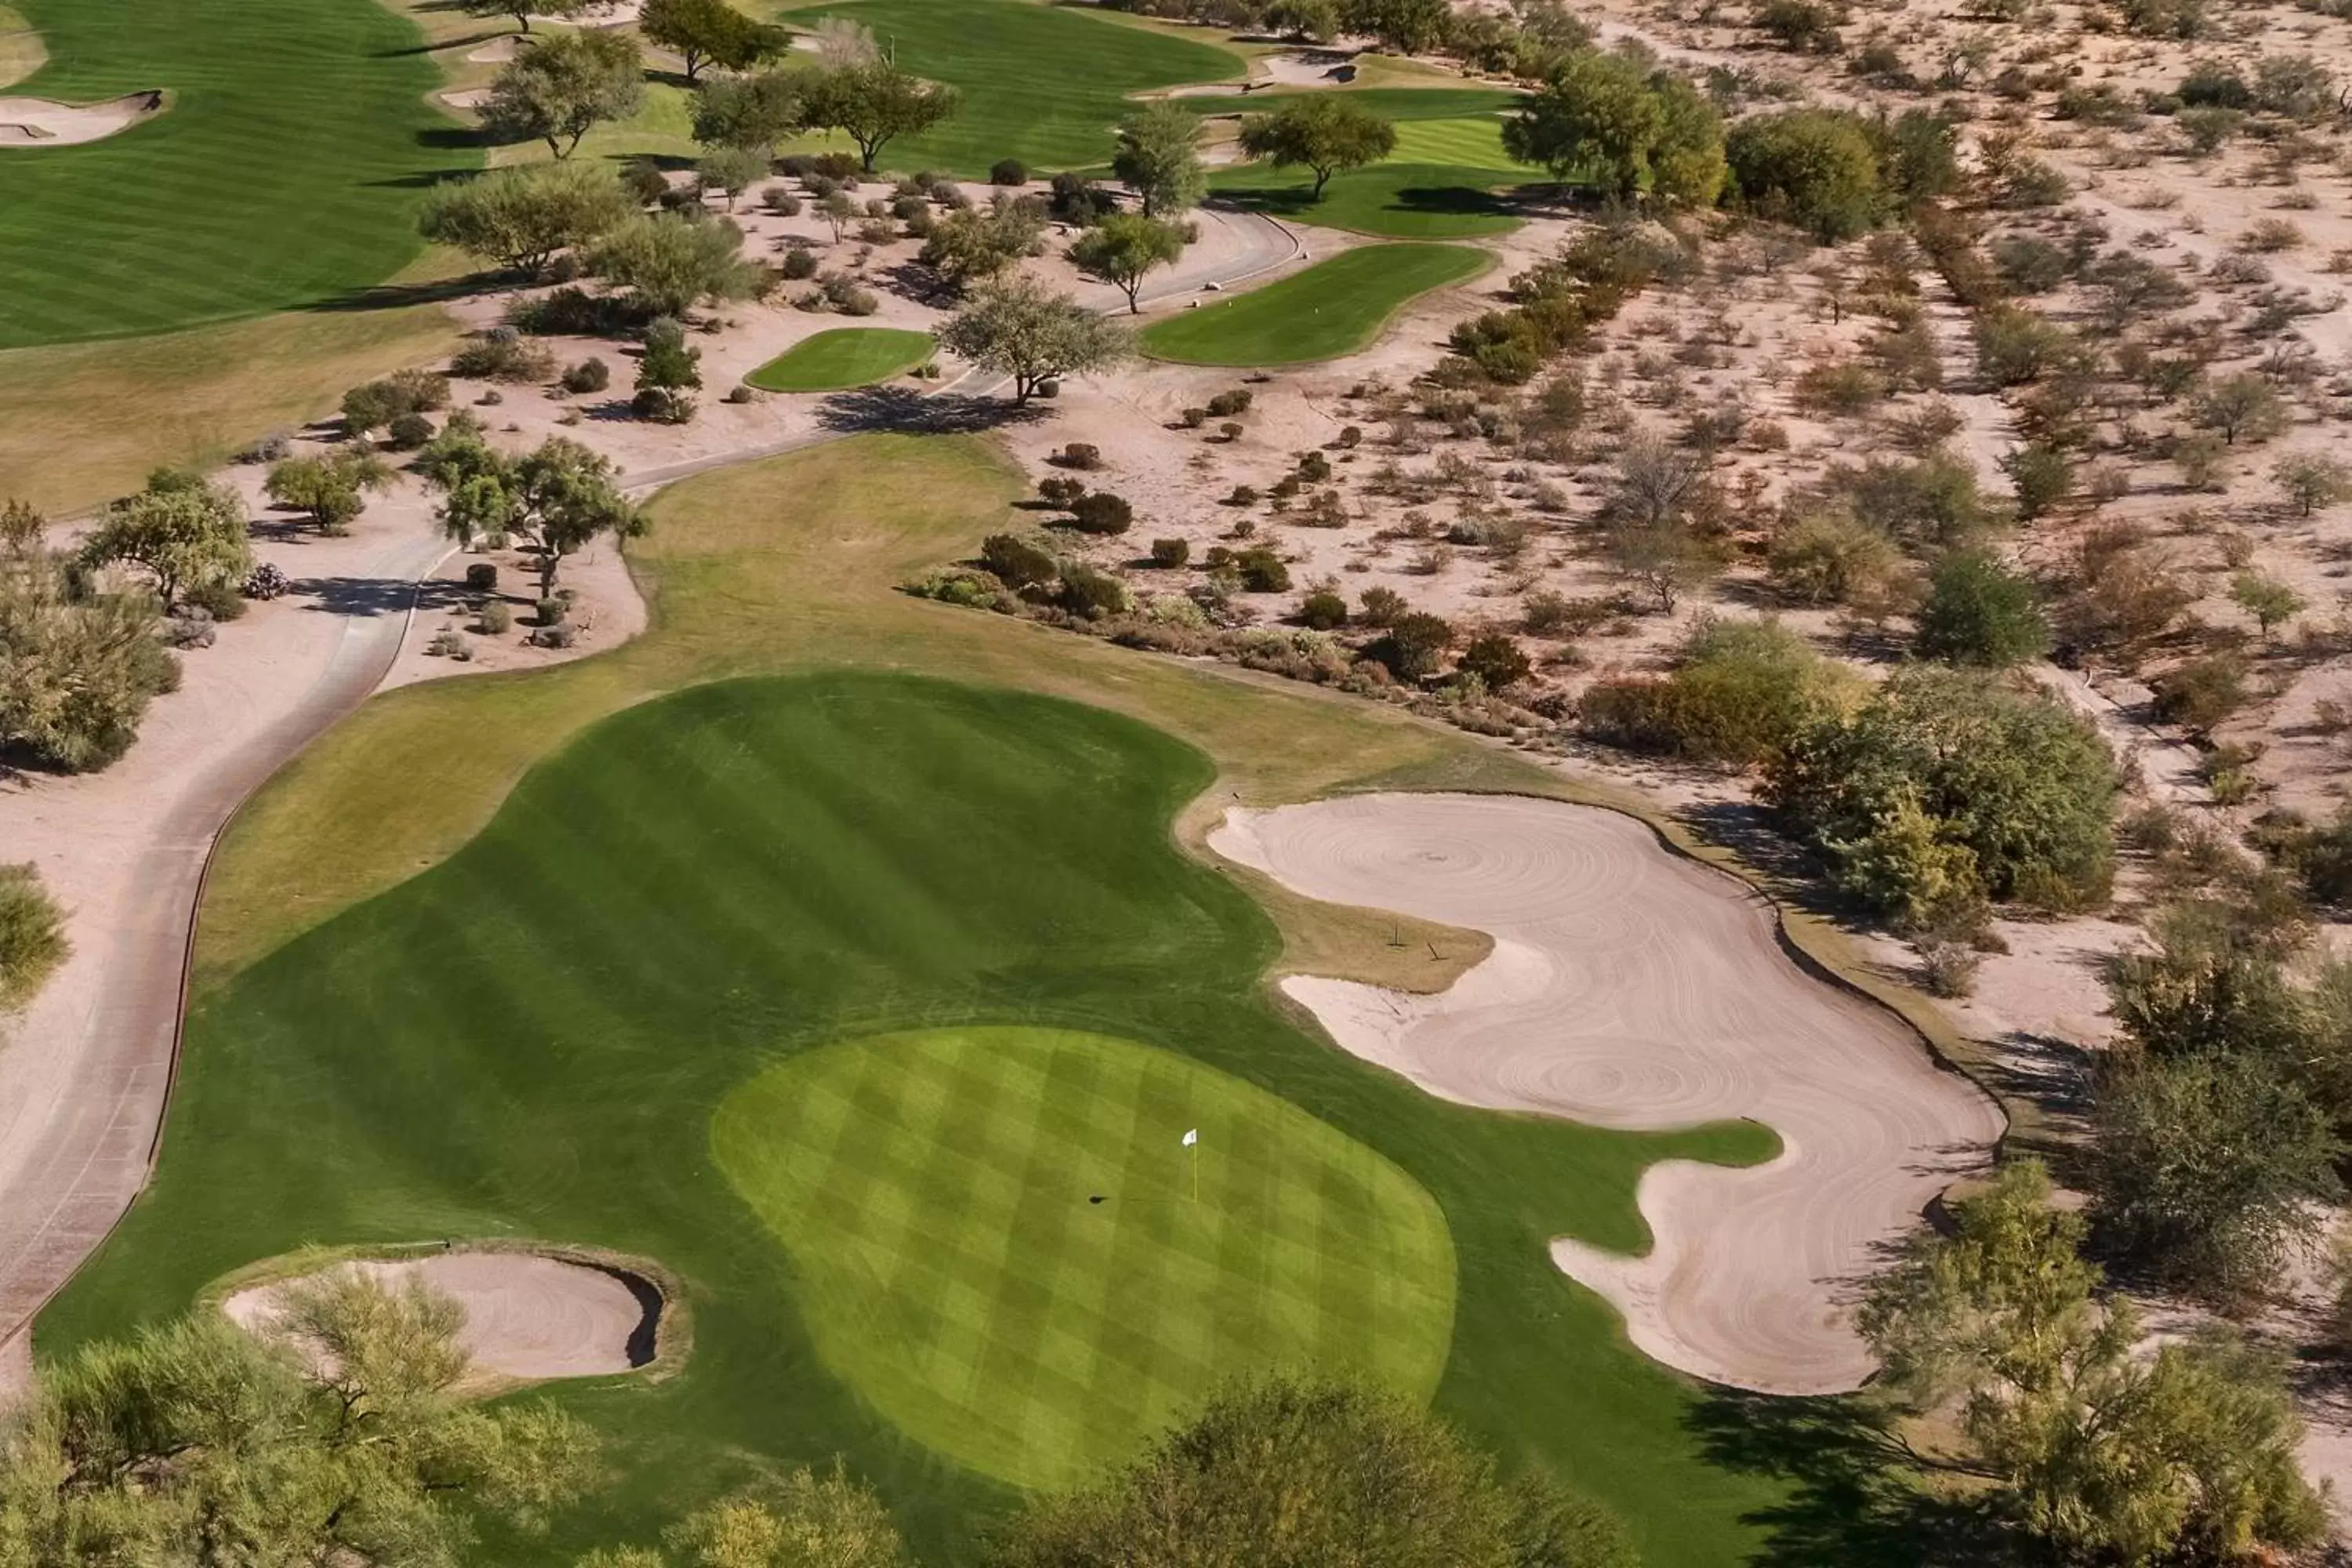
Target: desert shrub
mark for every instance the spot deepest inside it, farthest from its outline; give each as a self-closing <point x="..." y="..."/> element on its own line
<point x="799" y="264"/>
<point x="494" y="618"/>
<point x="482" y="578"/>
<point x="1945" y="784"/>
<point x="1324" y="609"/>
<point x="1844" y="389"/>
<point x="1102" y="512"/>
<point x="1016" y="562"/>
<point x="502" y="355"/>
<point x="1170" y="552"/>
<point x="1059" y="490"/>
<point x="1980" y="612"/>
<point x="1805" y="26"/>
<point x="1830" y="557"/>
<point x="267" y="581"/>
<point x="1932" y="500"/>
<point x="1008" y="171"/>
<point x="1815" y="168"/>
<point x="589" y="375"/>
<point x="1262" y="569"/>
<point x="1226" y="404"/>
<point x="1090" y="592"/>
<point x="2201" y="693"/>
<point x="2015" y="346"/>
<point x="2244" y="406"/>
<point x="2028" y="265"/>
<point x="76" y="671"/>
<point x="1083" y="455"/>
<point x="32" y="936"/>
<point x="1496" y="659"/>
<point x="1380" y="606"/>
<point x="1414" y="644"/>
<point x="1740" y="693"/>
<point x="2039" y="475"/>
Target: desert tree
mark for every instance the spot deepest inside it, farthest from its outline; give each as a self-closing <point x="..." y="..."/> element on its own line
<point x="77" y="669"/>
<point x="1600" y="117"/>
<point x="1402" y="26"/>
<point x="710" y="32"/>
<point x="806" y="1519"/>
<point x="1978" y="612"/>
<point x="521" y="218"/>
<point x="2243" y="406"/>
<point x="2311" y="481"/>
<point x="522" y="11"/>
<point x="672" y="262"/>
<point x="1303" y="21"/>
<point x="875" y="102"/>
<point x="1158" y="159"/>
<point x="1124" y="248"/>
<point x="333" y="488"/>
<point x="1019" y="328"/>
<point x="559" y="88"/>
<point x="977" y="243"/>
<point x="1326" y="133"/>
<point x="358" y="1450"/>
<point x="1815" y="168"/>
<point x="184" y="536"/>
<point x="668" y="372"/>
<point x="32" y="933"/>
<point x="562" y="495"/>
<point x="752" y="113"/>
<point x="2270" y="602"/>
<point x="731" y="171"/>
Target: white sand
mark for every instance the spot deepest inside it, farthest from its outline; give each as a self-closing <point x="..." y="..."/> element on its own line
<point x="527" y="1316"/>
<point x="39" y="122"/>
<point x="1632" y="988"/>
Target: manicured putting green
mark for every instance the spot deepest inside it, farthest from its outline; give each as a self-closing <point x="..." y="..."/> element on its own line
<point x="1041" y="83"/>
<point x="842" y="356"/>
<point x="285" y="173"/>
<point x="1333" y="308"/>
<point x="1000" y="1244"/>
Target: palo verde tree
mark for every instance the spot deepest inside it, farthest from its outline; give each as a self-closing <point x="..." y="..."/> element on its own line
<point x="1158" y="159"/>
<point x="522" y="219"/>
<point x="1293" y="1475"/>
<point x="874" y="102"/>
<point x="2105" y="1454"/>
<point x="333" y="488"/>
<point x="199" y="1442"/>
<point x="1125" y="246"/>
<point x="1324" y="132"/>
<point x="750" y="113"/>
<point x="670" y="262"/>
<point x="1600" y="117"/>
<point x="182" y="533"/>
<point x="562" y="495"/>
<point x="1815" y="168"/>
<point x="1020" y="329"/>
<point x="1980" y="612"/>
<point x="559" y="88"/>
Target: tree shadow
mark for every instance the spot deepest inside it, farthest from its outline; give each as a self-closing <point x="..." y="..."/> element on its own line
<point x="1852" y="1496"/>
<point x="898" y="408"/>
<point x="399" y="296"/>
<point x="1438" y="196"/>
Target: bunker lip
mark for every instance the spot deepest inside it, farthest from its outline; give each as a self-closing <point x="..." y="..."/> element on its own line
<point x="42" y="122"/>
<point x="533" y="1313"/>
<point x="1629" y="987"/>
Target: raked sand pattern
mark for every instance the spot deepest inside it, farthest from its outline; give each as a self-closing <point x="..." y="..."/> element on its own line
<point x="1629" y="987"/>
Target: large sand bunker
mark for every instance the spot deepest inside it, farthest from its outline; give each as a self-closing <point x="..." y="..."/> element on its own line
<point x="1632" y="988"/>
<point x="527" y="1315"/>
<point x="39" y="122"/>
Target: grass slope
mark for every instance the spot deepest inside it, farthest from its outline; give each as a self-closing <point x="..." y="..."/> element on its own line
<point x="532" y="1038"/>
<point x="842" y="356"/>
<point x="774" y="566"/>
<point x="1000" y="1245"/>
<point x="1333" y="308"/>
<point x="1041" y="83"/>
<point x="284" y="174"/>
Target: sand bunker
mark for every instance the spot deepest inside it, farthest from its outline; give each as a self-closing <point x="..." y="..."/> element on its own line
<point x="527" y="1315"/>
<point x="466" y="97"/>
<point x="37" y="122"/>
<point x="1632" y="988"/>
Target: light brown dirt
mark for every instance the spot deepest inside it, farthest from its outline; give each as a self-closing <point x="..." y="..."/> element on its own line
<point x="1630" y="988"/>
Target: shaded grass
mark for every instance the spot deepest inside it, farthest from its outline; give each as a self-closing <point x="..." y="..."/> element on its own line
<point x="1400" y="104"/>
<point x="285" y="173"/>
<point x="1041" y="83"/>
<point x="1397" y="201"/>
<point x="842" y="357"/>
<point x="1003" y="1243"/>
<point x="1332" y="307"/>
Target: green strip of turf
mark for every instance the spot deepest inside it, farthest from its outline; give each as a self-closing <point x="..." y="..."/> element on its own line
<point x="1333" y="308"/>
<point x="1402" y="104"/>
<point x="1002" y="1245"/>
<point x="843" y="357"/>
<point x="1041" y="83"/>
<point x="285" y="173"/>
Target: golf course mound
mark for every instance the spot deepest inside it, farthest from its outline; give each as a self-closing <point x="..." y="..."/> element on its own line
<point x="1334" y="308"/>
<point x="37" y="122"/>
<point x="1006" y="1246"/>
<point x="529" y="1316"/>
<point x="843" y="357"/>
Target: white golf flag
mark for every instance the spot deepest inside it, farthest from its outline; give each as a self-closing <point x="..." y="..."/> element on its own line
<point x="1192" y="1138"/>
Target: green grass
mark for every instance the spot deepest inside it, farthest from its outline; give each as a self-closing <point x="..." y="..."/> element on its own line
<point x="1400" y="104"/>
<point x="1333" y="308"/>
<point x="1041" y="83"/>
<point x="1001" y="1246"/>
<point x="533" y="1036"/>
<point x="842" y="356"/>
<point x="285" y="173"/>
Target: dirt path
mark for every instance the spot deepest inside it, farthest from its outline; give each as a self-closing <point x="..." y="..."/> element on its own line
<point x="1632" y="988"/>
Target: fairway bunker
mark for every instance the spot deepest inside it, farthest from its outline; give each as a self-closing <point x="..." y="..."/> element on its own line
<point x="1630" y="987"/>
<point x="40" y="122"/>
<point x="529" y="1316"/>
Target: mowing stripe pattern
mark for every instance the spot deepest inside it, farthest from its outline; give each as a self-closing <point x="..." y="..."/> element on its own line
<point x="1002" y="1247"/>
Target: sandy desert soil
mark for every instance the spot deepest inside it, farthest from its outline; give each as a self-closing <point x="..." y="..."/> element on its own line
<point x="1632" y="988"/>
<point x="527" y="1317"/>
<point x="37" y="122"/>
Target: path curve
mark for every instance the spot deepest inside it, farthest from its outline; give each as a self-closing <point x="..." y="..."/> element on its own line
<point x="1630" y="987"/>
<point x="80" y="1124"/>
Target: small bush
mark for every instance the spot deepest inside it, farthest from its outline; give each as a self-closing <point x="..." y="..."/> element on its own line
<point x="1380" y="606"/>
<point x="1102" y="512"/>
<point x="588" y="375"/>
<point x="32" y="934"/>
<point x="1496" y="659"/>
<point x="495" y="618"/>
<point x="1194" y="418"/>
<point x="482" y="578"/>
<point x="1226" y="404"/>
<point x="1170" y="552"/>
<point x="1081" y="454"/>
<point x="1324" y="610"/>
<point x="1016" y="562"/>
<point x="1262" y="570"/>
<point x="550" y="612"/>
<point x="799" y="264"/>
<point x="502" y="356"/>
<point x="1055" y="490"/>
<point x="265" y="582"/>
<point x="1008" y="171"/>
<point x="221" y="601"/>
